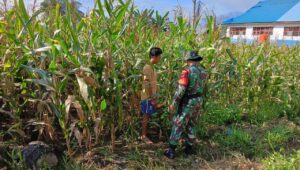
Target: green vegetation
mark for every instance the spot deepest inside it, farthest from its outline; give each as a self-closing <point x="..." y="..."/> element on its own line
<point x="235" y="140"/>
<point x="74" y="82"/>
<point x="278" y="136"/>
<point x="279" y="161"/>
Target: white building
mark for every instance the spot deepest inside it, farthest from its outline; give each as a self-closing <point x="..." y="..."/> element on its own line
<point x="277" y="19"/>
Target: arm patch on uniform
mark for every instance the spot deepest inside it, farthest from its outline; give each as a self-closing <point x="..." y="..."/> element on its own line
<point x="184" y="78"/>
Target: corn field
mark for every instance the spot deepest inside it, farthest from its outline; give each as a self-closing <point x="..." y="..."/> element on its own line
<point x="75" y="81"/>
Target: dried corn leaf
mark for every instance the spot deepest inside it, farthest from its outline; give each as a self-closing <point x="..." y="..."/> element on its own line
<point x="8" y="85"/>
<point x="83" y="87"/>
<point x="90" y="81"/>
<point x="74" y="130"/>
<point x="68" y="103"/>
<point x="71" y="101"/>
<point x="79" y="110"/>
<point x="78" y="136"/>
<point x="97" y="128"/>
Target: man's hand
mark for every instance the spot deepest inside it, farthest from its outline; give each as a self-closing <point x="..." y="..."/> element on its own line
<point x="172" y="110"/>
<point x="154" y="102"/>
<point x="160" y="105"/>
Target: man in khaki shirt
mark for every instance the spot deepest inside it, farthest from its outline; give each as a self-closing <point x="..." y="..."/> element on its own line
<point x="149" y="91"/>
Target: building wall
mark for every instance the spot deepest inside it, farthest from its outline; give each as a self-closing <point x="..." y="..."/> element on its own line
<point x="278" y="33"/>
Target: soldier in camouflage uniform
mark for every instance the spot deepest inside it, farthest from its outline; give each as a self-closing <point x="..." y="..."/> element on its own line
<point x="187" y="100"/>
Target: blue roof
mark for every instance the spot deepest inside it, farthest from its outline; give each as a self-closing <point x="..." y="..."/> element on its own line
<point x="292" y="15"/>
<point x="269" y="11"/>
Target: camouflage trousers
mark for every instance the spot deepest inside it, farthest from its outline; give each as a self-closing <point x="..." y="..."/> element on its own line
<point x="185" y="121"/>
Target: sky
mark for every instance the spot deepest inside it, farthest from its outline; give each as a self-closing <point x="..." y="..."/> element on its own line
<point x="220" y="7"/>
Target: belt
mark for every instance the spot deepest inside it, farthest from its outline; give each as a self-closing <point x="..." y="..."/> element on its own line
<point x="192" y="96"/>
<point x="185" y="100"/>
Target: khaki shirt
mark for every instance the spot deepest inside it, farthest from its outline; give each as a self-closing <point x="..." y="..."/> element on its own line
<point x="149" y="86"/>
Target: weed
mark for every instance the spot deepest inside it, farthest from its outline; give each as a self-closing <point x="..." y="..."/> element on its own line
<point x="236" y="140"/>
<point x="69" y="164"/>
<point x="267" y="111"/>
<point x="279" y="161"/>
<point x="278" y="137"/>
<point x="136" y="155"/>
<point x="219" y="114"/>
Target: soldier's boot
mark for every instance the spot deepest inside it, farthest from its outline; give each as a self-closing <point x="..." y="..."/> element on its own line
<point x="189" y="149"/>
<point x="170" y="153"/>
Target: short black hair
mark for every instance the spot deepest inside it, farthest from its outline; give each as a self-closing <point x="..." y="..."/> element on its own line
<point x="155" y="51"/>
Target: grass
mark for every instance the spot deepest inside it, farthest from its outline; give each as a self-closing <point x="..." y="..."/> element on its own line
<point x="219" y="114"/>
<point x="14" y="159"/>
<point x="278" y="137"/>
<point x="256" y="142"/>
<point x="267" y="111"/>
<point x="71" y="165"/>
<point x="235" y="140"/>
<point x="268" y="144"/>
<point x="284" y="162"/>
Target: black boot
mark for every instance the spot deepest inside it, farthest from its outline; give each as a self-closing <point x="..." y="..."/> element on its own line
<point x="189" y="149"/>
<point x="170" y="153"/>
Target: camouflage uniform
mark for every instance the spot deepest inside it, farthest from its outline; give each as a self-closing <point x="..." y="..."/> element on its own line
<point x="187" y="99"/>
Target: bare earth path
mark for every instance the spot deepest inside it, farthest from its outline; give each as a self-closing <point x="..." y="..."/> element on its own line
<point x="210" y="155"/>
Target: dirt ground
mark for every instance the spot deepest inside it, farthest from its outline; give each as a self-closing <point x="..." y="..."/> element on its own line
<point x="142" y="156"/>
<point x="210" y="156"/>
<point x="121" y="159"/>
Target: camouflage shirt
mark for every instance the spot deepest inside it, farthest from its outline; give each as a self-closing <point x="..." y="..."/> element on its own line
<point x="192" y="80"/>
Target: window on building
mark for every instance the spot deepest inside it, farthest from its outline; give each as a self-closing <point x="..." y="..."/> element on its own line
<point x="262" y="30"/>
<point x="292" y="31"/>
<point x="237" y="31"/>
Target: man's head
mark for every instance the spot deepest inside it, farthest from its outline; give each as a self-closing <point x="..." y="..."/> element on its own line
<point x="194" y="57"/>
<point x="154" y="54"/>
